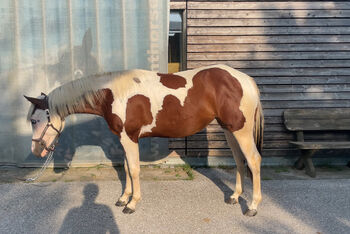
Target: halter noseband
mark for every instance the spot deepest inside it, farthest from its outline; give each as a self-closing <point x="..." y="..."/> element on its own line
<point x="40" y="140"/>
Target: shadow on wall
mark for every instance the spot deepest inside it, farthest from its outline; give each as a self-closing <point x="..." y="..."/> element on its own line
<point x="92" y="142"/>
<point x="81" y="220"/>
<point x="84" y="130"/>
<point x="84" y="63"/>
<point x="30" y="76"/>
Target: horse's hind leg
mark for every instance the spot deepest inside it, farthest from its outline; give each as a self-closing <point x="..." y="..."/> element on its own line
<point x="246" y="142"/>
<point x="240" y="167"/>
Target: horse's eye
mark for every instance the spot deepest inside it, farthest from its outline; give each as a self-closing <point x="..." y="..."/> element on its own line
<point x="33" y="121"/>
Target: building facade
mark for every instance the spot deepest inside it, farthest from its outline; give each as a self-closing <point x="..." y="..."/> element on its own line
<point x="297" y="52"/>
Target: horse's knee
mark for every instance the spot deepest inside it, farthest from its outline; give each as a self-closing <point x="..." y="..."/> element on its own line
<point x="134" y="171"/>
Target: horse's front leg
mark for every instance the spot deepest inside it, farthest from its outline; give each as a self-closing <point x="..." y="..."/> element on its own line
<point x="124" y="199"/>
<point x="132" y="165"/>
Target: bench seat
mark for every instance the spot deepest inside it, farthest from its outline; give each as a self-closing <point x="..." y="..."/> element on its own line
<point x="322" y="144"/>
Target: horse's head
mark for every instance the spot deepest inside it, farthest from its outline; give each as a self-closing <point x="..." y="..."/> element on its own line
<point x="46" y="127"/>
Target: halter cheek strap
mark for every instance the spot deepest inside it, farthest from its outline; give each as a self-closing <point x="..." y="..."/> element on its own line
<point x="40" y="140"/>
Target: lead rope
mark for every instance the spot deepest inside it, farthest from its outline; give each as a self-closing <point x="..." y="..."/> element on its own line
<point x="47" y="162"/>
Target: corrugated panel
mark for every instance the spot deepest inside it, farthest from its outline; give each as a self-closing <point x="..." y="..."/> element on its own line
<point x="47" y="43"/>
<point x="297" y="51"/>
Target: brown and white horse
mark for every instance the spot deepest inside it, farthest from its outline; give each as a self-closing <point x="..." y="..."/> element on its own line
<point x="139" y="103"/>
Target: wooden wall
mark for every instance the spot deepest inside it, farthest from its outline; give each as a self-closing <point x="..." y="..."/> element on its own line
<point x="297" y="51"/>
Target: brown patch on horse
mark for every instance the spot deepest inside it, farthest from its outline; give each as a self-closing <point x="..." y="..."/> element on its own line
<point x="215" y="94"/>
<point x="175" y="120"/>
<point x="228" y="100"/>
<point x="103" y="107"/>
<point x="114" y="122"/>
<point x="138" y="114"/>
<point x="172" y="81"/>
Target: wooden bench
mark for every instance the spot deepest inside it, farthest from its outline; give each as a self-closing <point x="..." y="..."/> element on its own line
<point x="318" y="120"/>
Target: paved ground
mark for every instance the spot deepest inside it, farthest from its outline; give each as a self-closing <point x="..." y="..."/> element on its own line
<point x="173" y="202"/>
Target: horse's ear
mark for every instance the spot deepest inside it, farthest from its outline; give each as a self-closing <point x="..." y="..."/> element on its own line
<point x="43" y="94"/>
<point x="38" y="103"/>
<point x="87" y="41"/>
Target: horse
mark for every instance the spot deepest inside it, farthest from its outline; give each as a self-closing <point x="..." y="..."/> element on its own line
<point x="139" y="103"/>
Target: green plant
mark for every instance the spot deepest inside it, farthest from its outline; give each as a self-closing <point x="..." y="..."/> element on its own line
<point x="281" y="169"/>
<point x="266" y="178"/>
<point x="187" y="168"/>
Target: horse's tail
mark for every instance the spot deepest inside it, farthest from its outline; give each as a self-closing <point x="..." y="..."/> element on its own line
<point x="258" y="133"/>
<point x="259" y="127"/>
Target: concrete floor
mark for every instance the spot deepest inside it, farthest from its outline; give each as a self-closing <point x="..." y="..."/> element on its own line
<point x="175" y="200"/>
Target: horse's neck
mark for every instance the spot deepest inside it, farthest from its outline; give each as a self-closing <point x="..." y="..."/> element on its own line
<point x="97" y="106"/>
<point x="88" y="109"/>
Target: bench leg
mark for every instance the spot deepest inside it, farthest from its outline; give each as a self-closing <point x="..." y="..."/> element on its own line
<point x="299" y="164"/>
<point x="309" y="166"/>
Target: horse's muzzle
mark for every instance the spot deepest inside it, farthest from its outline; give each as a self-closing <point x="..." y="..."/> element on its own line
<point x="40" y="149"/>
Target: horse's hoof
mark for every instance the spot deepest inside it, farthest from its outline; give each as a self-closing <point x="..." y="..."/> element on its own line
<point x="127" y="210"/>
<point x="120" y="203"/>
<point x="250" y="213"/>
<point x="231" y="201"/>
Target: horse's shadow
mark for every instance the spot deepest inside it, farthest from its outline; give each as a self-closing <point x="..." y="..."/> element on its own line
<point x="198" y="152"/>
<point x="219" y="177"/>
<point x="84" y="63"/>
<point x="201" y="164"/>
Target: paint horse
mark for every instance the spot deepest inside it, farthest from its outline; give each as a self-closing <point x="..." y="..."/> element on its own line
<point x="139" y="103"/>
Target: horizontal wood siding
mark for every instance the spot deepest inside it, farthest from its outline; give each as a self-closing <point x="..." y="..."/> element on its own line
<point x="297" y="51"/>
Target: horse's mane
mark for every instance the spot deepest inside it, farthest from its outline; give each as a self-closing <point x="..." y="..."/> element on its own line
<point x="69" y="97"/>
<point x="74" y="95"/>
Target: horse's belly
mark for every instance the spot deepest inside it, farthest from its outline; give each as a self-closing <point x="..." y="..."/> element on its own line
<point x="175" y="120"/>
<point x="180" y="127"/>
